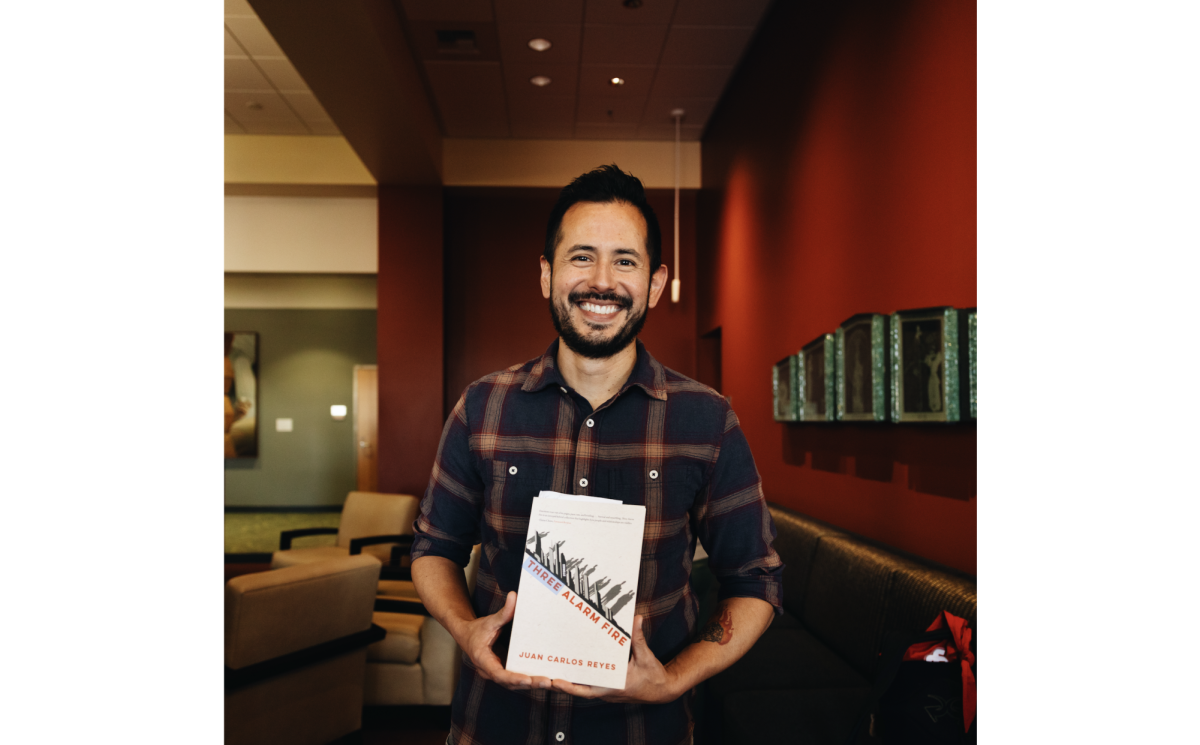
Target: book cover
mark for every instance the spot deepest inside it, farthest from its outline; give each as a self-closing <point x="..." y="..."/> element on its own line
<point x="574" y="616"/>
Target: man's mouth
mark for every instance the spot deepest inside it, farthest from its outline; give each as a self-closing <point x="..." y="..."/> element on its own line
<point x="603" y="310"/>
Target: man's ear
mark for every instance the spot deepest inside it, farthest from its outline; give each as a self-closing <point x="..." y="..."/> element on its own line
<point x="545" y="278"/>
<point x="658" y="281"/>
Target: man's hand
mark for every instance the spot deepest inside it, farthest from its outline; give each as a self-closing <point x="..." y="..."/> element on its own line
<point x="477" y="638"/>
<point x="646" y="682"/>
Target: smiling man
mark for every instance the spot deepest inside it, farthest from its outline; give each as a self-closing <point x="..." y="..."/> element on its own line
<point x="596" y="415"/>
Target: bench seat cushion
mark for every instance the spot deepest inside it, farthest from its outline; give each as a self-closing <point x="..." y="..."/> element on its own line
<point x="813" y="717"/>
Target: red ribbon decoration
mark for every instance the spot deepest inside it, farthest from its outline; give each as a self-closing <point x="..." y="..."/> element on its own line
<point x="957" y="649"/>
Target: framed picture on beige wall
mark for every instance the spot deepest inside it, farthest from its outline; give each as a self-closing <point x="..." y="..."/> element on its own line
<point x="241" y="394"/>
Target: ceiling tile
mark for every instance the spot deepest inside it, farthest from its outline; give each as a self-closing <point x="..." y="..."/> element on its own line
<point x="705" y="46"/>
<point x="539" y="11"/>
<point x="610" y="110"/>
<point x="425" y="41"/>
<point x="658" y="111"/>
<point x="720" y="12"/>
<point x="232" y="48"/>
<point x="652" y="13"/>
<point x="514" y="43"/>
<point x="470" y="98"/>
<point x="325" y="128"/>
<point x="232" y="127"/>
<point x="306" y="106"/>
<point x="606" y="131"/>
<point x="276" y="127"/>
<point x="563" y="79"/>
<point x="238" y="8"/>
<point x="470" y="11"/>
<point x="690" y="82"/>
<point x="241" y="73"/>
<point x="280" y="72"/>
<point x="687" y="133"/>
<point x="253" y="35"/>
<point x="556" y="110"/>
<point x="270" y="106"/>
<point x="626" y="45"/>
<point x="542" y="131"/>
<point x="593" y="81"/>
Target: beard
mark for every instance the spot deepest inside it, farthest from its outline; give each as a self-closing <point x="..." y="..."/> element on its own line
<point x="596" y="347"/>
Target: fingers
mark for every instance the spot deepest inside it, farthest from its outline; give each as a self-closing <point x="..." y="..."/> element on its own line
<point x="505" y="614"/>
<point x="640" y="648"/>
<point x="582" y="691"/>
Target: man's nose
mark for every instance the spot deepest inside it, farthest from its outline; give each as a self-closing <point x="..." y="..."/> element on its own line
<point x="604" y="278"/>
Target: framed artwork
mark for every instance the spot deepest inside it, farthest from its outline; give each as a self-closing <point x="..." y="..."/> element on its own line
<point x="816" y="380"/>
<point x="241" y="394"/>
<point x="861" y="367"/>
<point x="971" y="356"/>
<point x="925" y="365"/>
<point x="783" y="385"/>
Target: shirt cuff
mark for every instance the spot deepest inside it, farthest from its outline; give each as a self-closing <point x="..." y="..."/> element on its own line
<point x="423" y="545"/>
<point x="768" y="588"/>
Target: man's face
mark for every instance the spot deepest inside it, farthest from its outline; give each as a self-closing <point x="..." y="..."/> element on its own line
<point x="600" y="285"/>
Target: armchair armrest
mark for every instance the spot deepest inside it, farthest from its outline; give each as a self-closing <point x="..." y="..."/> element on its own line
<point x="239" y="678"/>
<point x="356" y="544"/>
<point x="396" y="605"/>
<point x="285" y="538"/>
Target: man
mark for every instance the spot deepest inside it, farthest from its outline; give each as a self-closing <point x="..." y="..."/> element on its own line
<point x="596" y="415"/>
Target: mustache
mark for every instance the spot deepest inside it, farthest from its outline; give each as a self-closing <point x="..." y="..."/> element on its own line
<point x="608" y="297"/>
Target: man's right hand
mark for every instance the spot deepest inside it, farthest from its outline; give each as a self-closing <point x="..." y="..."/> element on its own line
<point x="477" y="638"/>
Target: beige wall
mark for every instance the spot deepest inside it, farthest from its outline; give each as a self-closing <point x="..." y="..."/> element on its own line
<point x="302" y="234"/>
<point x="555" y="163"/>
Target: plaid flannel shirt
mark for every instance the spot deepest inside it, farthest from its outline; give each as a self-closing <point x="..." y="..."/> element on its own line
<point x="664" y="441"/>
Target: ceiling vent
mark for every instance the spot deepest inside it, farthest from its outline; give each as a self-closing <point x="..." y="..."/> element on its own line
<point x="456" y="42"/>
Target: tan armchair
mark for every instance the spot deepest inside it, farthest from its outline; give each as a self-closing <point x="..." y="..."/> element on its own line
<point x="296" y="651"/>
<point x="418" y="661"/>
<point x="371" y="523"/>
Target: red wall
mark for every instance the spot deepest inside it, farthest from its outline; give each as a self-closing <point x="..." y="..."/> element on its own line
<point x="409" y="342"/>
<point x="494" y="311"/>
<point x="839" y="178"/>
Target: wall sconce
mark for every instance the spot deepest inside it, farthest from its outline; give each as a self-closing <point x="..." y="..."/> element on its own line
<point x="338" y="412"/>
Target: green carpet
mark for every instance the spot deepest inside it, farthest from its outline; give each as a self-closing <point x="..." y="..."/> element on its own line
<point x="258" y="532"/>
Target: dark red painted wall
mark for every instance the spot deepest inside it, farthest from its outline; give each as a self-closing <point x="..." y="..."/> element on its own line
<point x="839" y="178"/>
<point x="409" y="341"/>
<point x="494" y="311"/>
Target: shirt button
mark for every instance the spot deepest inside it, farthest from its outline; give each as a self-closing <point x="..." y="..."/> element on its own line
<point x="583" y="482"/>
<point x="512" y="470"/>
<point x="560" y="737"/>
<point x="564" y="390"/>
<point x="591" y="423"/>
<point x="654" y="474"/>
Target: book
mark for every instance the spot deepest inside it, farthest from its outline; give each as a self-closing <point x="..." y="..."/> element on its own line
<point x="575" y="599"/>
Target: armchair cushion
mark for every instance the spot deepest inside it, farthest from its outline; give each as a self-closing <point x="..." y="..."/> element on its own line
<point x="403" y="641"/>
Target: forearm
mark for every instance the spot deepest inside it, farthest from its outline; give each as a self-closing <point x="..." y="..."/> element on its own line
<point x="734" y="627"/>
<point x="442" y="587"/>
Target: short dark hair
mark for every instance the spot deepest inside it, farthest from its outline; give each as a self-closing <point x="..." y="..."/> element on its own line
<point x="603" y="185"/>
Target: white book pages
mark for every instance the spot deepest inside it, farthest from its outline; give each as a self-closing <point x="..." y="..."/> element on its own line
<point x="575" y="600"/>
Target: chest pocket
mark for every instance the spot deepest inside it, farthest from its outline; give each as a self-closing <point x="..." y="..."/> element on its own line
<point x="668" y="495"/>
<point x="509" y="498"/>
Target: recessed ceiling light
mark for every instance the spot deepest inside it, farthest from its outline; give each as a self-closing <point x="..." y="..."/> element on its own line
<point x="617" y="81"/>
<point x="539" y="45"/>
<point x="540" y="81"/>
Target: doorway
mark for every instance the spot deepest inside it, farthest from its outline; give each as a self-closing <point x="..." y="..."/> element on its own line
<point x="366" y="426"/>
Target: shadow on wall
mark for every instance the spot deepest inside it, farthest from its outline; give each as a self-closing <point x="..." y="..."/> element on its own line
<point x="937" y="460"/>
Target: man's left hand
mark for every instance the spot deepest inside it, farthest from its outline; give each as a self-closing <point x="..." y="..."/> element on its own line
<point x="647" y="681"/>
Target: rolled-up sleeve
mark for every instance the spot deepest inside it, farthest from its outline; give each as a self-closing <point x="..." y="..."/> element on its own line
<point x="735" y="526"/>
<point x="449" y="518"/>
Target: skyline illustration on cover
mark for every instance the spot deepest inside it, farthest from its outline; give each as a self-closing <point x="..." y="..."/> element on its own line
<point x="601" y="594"/>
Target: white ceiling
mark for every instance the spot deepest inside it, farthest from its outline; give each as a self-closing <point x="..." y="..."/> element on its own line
<point x="671" y="54"/>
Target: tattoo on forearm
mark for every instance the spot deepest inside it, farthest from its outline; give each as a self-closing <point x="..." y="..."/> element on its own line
<point x="719" y="630"/>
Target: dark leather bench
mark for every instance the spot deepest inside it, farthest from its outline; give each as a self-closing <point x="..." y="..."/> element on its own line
<point x="806" y="678"/>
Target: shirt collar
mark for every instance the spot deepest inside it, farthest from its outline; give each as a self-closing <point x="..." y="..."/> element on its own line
<point x="647" y="373"/>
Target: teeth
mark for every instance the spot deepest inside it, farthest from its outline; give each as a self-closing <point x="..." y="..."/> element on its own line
<point x="603" y="310"/>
